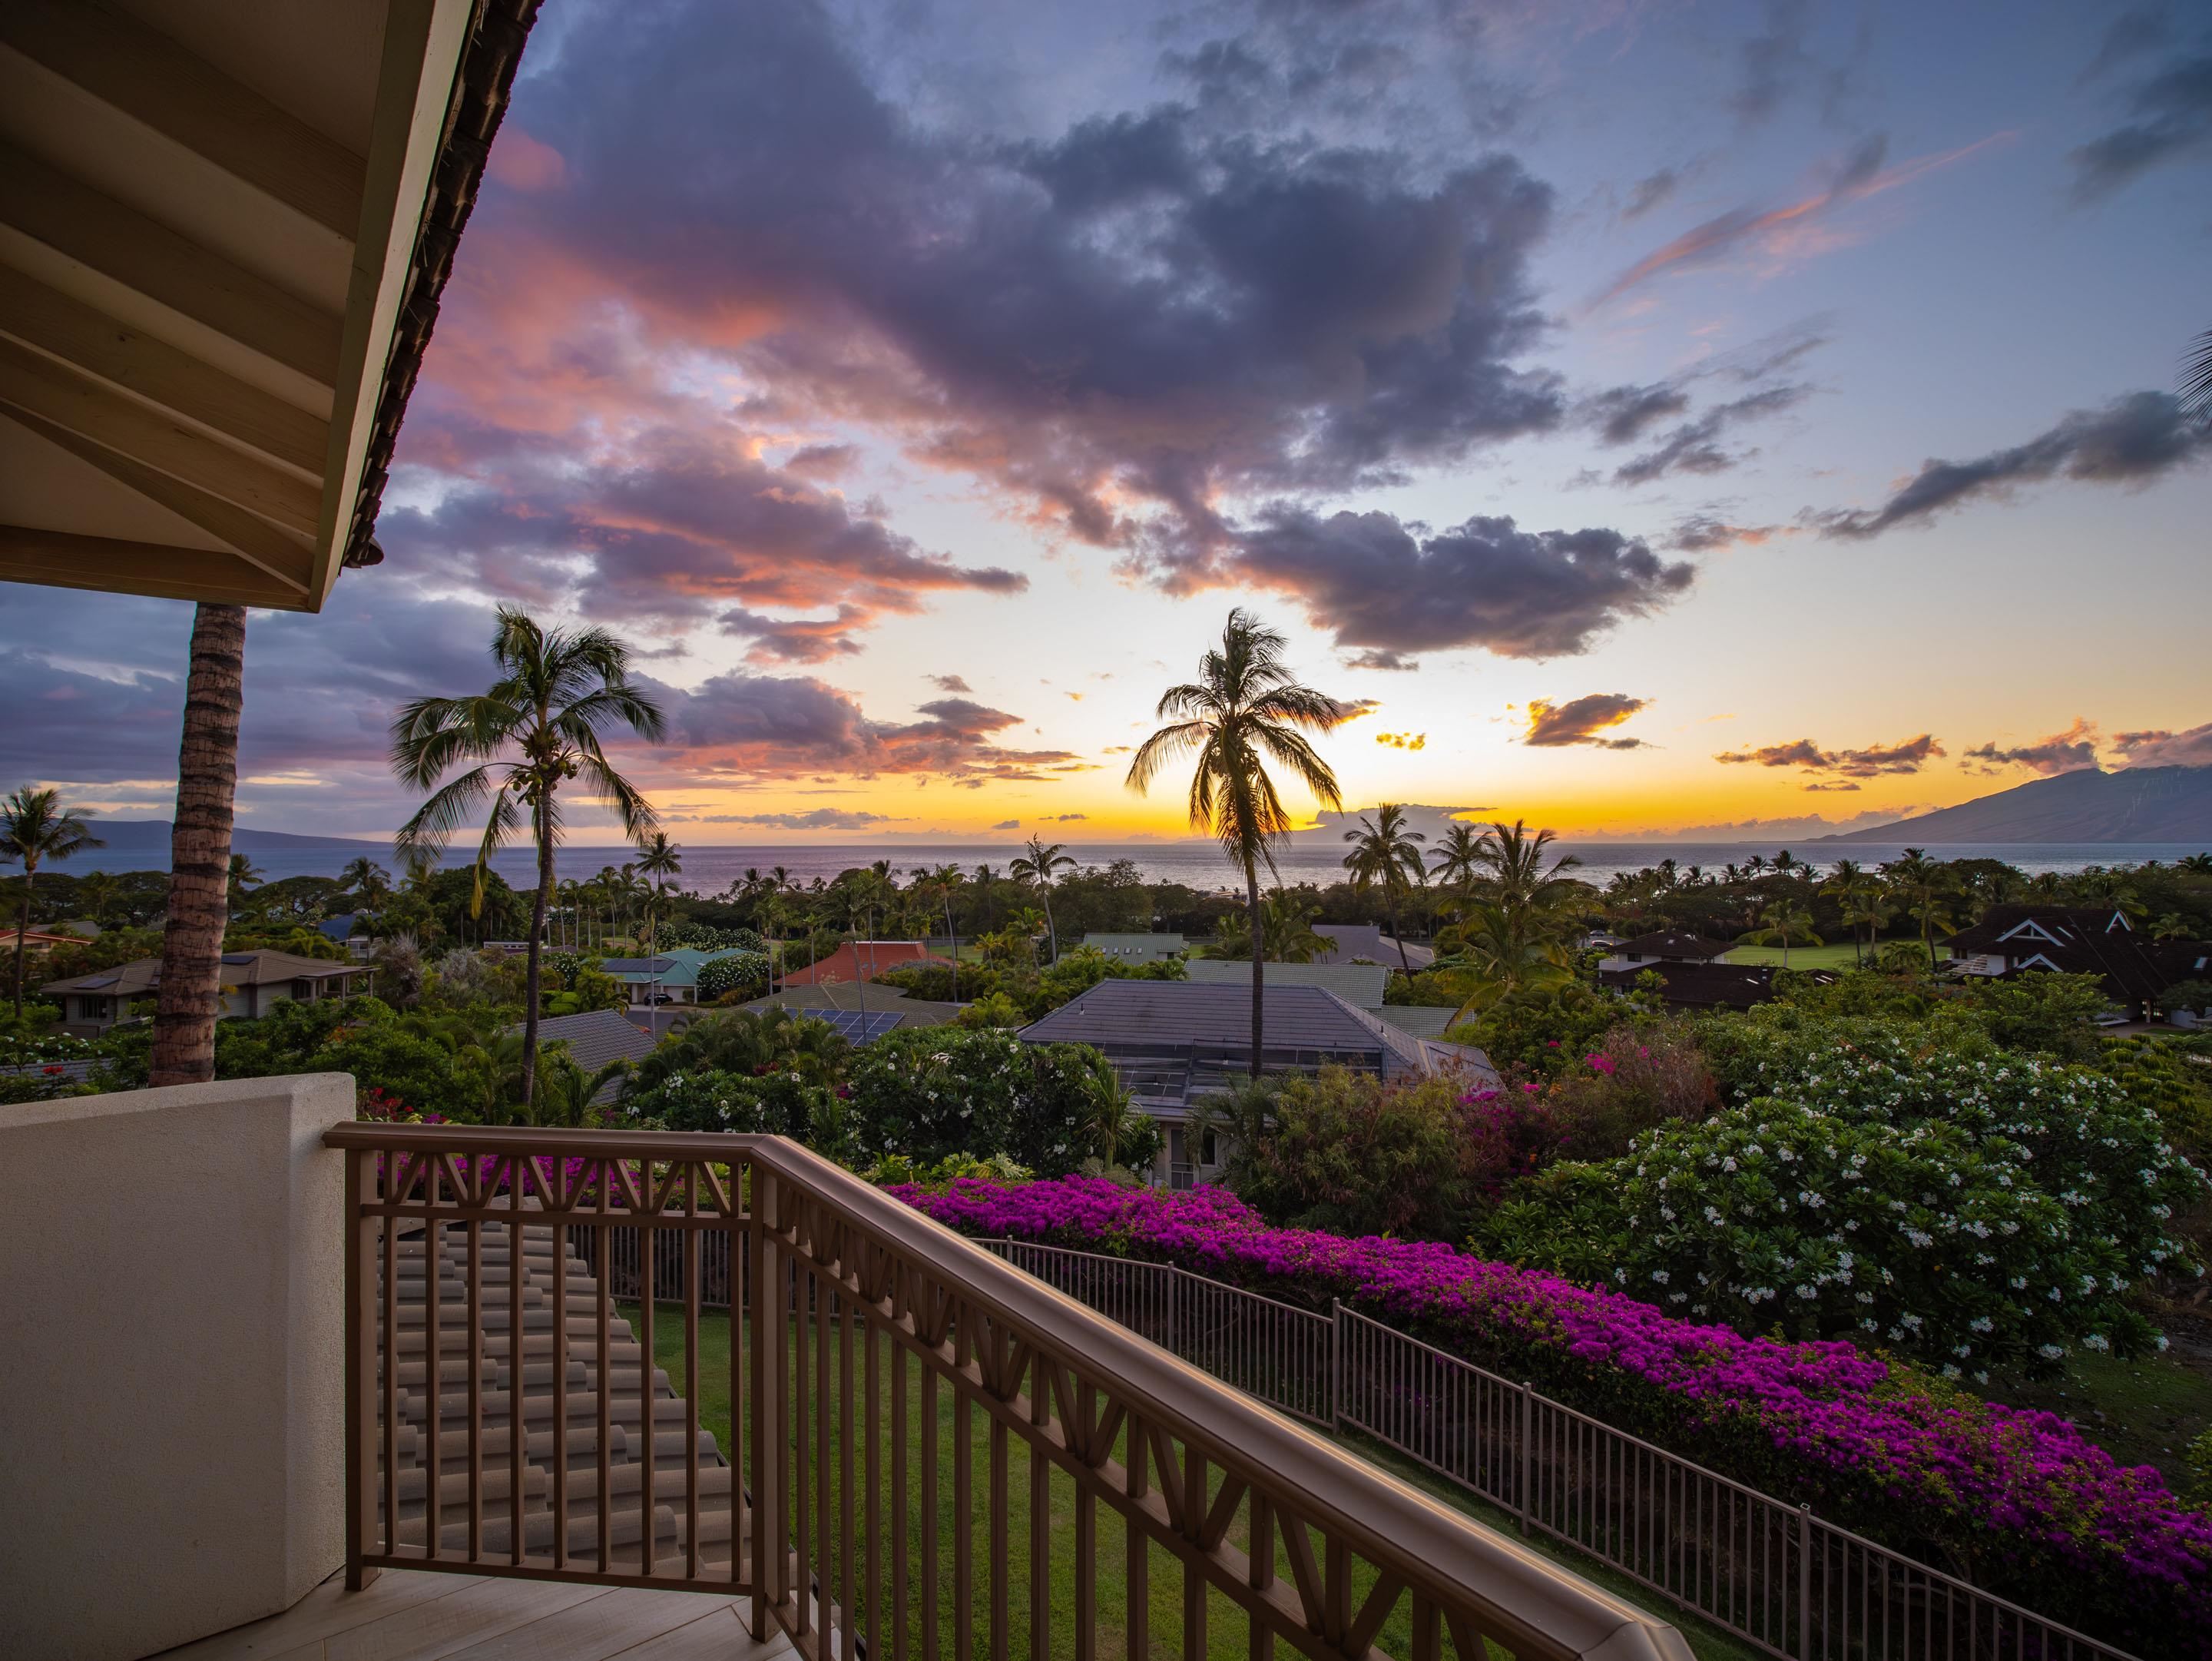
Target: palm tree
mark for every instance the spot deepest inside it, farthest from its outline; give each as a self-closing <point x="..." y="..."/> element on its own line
<point x="1516" y="878"/>
<point x="98" y="890"/>
<point x="242" y="874"/>
<point x="1924" y="887"/>
<point x="35" y="827"/>
<point x="554" y="693"/>
<point x="1497" y="951"/>
<point x="941" y="884"/>
<point x="1245" y="708"/>
<point x="2171" y="925"/>
<point x="659" y="858"/>
<point x="1784" y="926"/>
<point x="2196" y="377"/>
<point x="1859" y="897"/>
<point x="2198" y="865"/>
<point x="1457" y="859"/>
<point x="1036" y="863"/>
<point x="1113" y="1111"/>
<point x="1385" y="853"/>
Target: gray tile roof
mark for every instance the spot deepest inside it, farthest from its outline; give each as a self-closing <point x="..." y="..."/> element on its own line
<point x="1422" y="1020"/>
<point x="1138" y="948"/>
<point x="1366" y="940"/>
<point x="597" y="1037"/>
<point x="1359" y="984"/>
<point x="852" y="996"/>
<point x="1305" y="1026"/>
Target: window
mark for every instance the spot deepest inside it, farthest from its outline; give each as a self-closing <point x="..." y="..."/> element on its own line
<point x="1205" y="1149"/>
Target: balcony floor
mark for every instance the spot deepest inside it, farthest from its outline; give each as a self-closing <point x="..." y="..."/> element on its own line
<point x="410" y="1616"/>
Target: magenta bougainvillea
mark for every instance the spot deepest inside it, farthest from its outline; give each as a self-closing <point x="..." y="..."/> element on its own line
<point x="2027" y="1505"/>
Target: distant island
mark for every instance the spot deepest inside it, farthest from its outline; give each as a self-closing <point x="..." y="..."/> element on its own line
<point x="2133" y="804"/>
<point x="152" y="836"/>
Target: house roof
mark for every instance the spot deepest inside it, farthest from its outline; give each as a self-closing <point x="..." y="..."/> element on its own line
<point x="1672" y="943"/>
<point x="233" y="225"/>
<point x="1303" y="1027"/>
<point x="1359" y="984"/>
<point x="596" y="1038"/>
<point x="862" y="960"/>
<point x="1702" y="985"/>
<point x="338" y="928"/>
<point x="854" y="998"/>
<point x="679" y="965"/>
<point x="1353" y="940"/>
<point x="258" y="967"/>
<point x="1423" y="1021"/>
<point x="2079" y="940"/>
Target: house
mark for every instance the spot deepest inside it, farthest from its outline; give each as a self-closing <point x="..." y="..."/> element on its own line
<point x="860" y="1011"/>
<point x="860" y="960"/>
<point x="596" y="1038"/>
<point x="1366" y="942"/>
<point x="1359" y="984"/>
<point x="1138" y="948"/>
<point x="341" y="930"/>
<point x="254" y="983"/>
<point x="1692" y="985"/>
<point x="1671" y="945"/>
<point x="1174" y="1043"/>
<point x="666" y="977"/>
<point x="2079" y="940"/>
<point x="36" y="940"/>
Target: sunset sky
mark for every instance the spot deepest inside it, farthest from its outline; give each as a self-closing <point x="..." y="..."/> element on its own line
<point x="1655" y="415"/>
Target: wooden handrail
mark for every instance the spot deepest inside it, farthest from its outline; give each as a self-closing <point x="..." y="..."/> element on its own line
<point x="878" y="1265"/>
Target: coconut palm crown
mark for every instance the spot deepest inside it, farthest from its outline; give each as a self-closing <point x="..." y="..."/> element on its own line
<point x="537" y="727"/>
<point x="35" y="827"/>
<point x="1246" y="709"/>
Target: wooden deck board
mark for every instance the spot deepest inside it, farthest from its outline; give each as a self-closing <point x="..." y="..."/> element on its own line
<point x="411" y="1615"/>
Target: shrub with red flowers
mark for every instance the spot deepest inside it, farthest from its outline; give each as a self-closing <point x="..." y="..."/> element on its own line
<point x="2017" y="1500"/>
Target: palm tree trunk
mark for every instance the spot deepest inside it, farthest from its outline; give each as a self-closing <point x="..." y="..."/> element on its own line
<point x="537" y="931"/>
<point x="1390" y="906"/>
<point x="954" y="939"/>
<point x="1051" y="929"/>
<point x="191" y="993"/>
<point x="22" y="934"/>
<point x="1258" y="957"/>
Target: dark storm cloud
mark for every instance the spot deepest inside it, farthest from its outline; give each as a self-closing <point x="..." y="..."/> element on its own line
<point x="2062" y="752"/>
<point x="1582" y="720"/>
<point x="2132" y="440"/>
<point x="1121" y="319"/>
<point x="1876" y="759"/>
<point x="1377" y="581"/>
<point x="2169" y="119"/>
<point x="1694" y="447"/>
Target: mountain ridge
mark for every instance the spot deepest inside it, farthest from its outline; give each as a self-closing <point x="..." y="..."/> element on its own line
<point x="2132" y="804"/>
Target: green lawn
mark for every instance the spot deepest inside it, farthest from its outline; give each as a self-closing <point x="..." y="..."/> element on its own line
<point x="1837" y="954"/>
<point x="1226" y="1637"/>
<point x="2144" y="1412"/>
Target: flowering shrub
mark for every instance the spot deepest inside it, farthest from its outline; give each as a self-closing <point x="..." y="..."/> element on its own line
<point x="2028" y="1508"/>
<point x="740" y="973"/>
<point x="927" y="1092"/>
<point x="772" y="1104"/>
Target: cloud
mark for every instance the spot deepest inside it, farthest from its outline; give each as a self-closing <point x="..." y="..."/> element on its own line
<point x="1375" y="658"/>
<point x="1782" y="232"/>
<point x="1773" y="65"/>
<point x="1394" y="586"/>
<point x="2171" y="120"/>
<point x="1706" y="533"/>
<point x="818" y="818"/>
<point x="2061" y="752"/>
<point x="2131" y="442"/>
<point x="1909" y="757"/>
<point x="1649" y="192"/>
<point x="1582" y="720"/>
<point x="1065" y="819"/>
<point x="1692" y="447"/>
<point x="2159" y="747"/>
<point x="1621" y="414"/>
<point x="1117" y="323"/>
<point x="948" y="683"/>
<point x="1007" y="824"/>
<point x="1837" y="784"/>
<point x="1403" y="740"/>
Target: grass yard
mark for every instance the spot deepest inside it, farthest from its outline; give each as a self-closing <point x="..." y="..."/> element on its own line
<point x="1837" y="954"/>
<point x="1164" y="1590"/>
<point x="2144" y="1412"/>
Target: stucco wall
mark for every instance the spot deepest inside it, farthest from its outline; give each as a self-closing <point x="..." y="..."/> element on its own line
<point x="172" y="1360"/>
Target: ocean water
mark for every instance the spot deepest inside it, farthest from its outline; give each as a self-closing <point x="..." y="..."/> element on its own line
<point x="709" y="870"/>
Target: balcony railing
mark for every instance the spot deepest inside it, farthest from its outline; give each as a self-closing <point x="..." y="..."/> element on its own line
<point x="929" y="1451"/>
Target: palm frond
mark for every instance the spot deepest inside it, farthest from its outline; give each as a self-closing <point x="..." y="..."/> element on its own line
<point x="427" y="833"/>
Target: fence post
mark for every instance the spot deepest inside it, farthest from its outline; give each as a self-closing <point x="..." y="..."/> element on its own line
<point x="1174" y="1299"/>
<point x="1527" y="1447"/>
<point x="1336" y="1365"/>
<point x="1804" y="1582"/>
<point x="763" y="1433"/>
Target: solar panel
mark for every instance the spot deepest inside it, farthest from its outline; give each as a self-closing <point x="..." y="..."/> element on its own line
<point x="858" y="1026"/>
